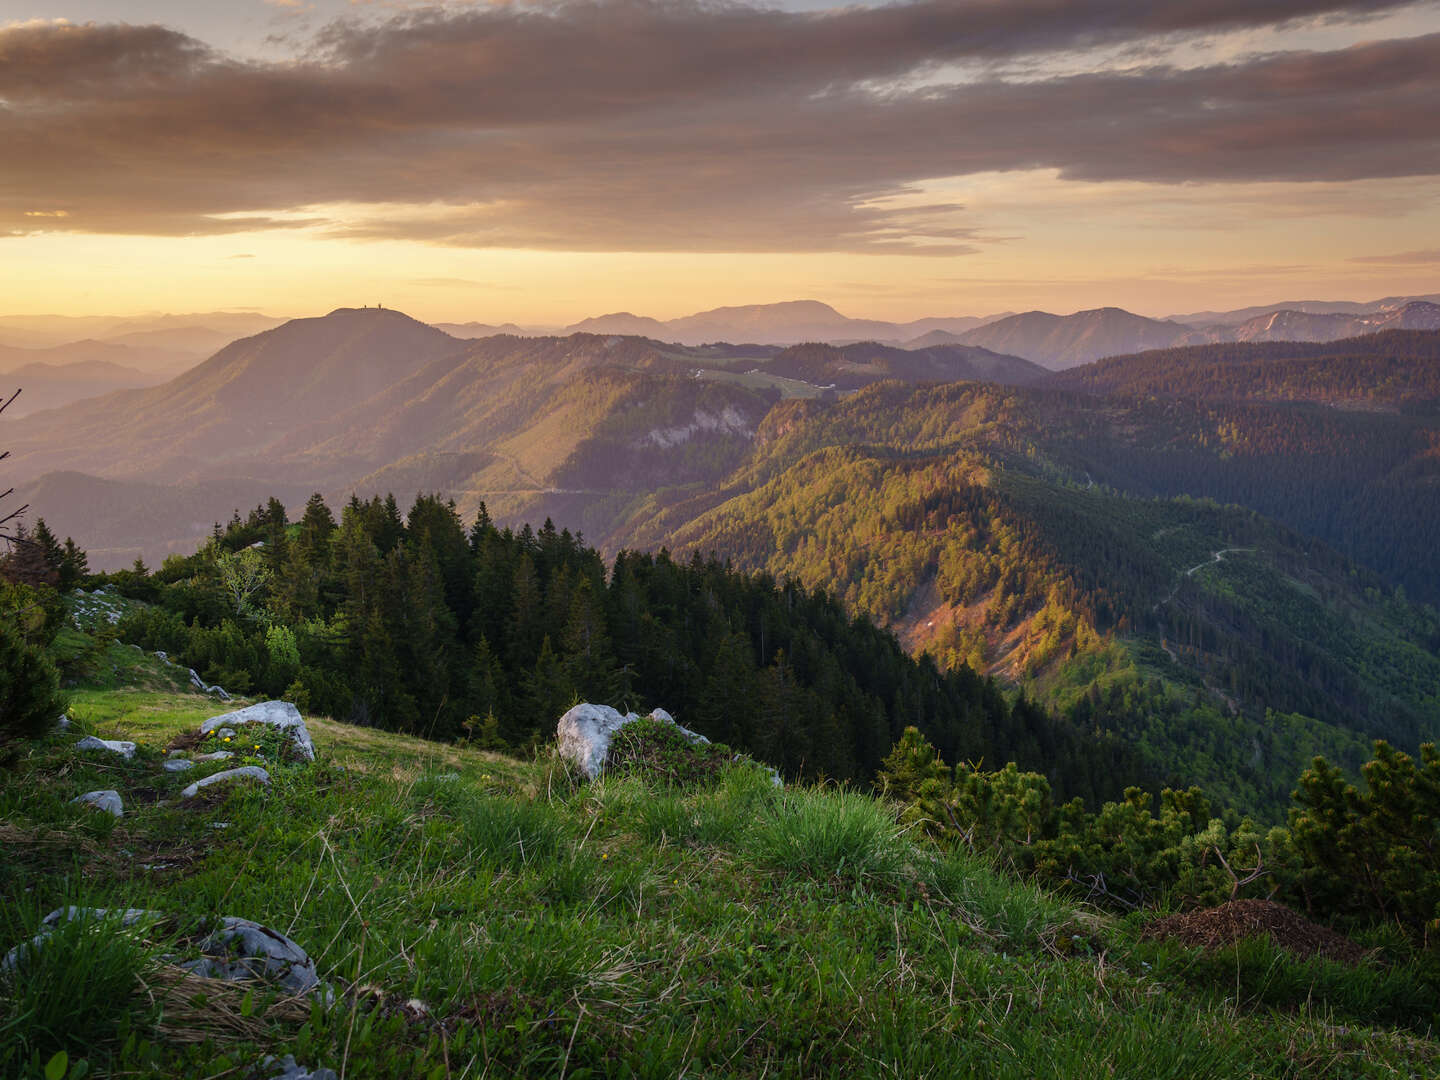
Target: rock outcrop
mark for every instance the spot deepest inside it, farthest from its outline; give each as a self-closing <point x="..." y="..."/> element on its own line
<point x="584" y="734"/>
<point x="231" y="948"/>
<point x="114" y="746"/>
<point x="242" y="949"/>
<point x="277" y="714"/>
<point x="251" y="772"/>
<point x="108" y="800"/>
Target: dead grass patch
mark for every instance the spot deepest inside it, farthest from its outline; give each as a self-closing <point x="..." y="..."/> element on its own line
<point x="1232" y="922"/>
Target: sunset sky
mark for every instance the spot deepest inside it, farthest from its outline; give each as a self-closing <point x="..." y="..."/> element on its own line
<point x="541" y="162"/>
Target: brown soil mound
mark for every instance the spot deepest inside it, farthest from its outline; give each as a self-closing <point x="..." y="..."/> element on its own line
<point x="1217" y="927"/>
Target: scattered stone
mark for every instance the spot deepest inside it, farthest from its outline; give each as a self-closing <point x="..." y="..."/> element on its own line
<point x="290" y="1071"/>
<point x="218" y="755"/>
<point x="584" y="734"/>
<point x="242" y="949"/>
<point x="128" y="918"/>
<point x="234" y="949"/>
<point x="277" y="714"/>
<point x="253" y="772"/>
<point x="115" y="746"/>
<point x="108" y="800"/>
<point x="224" y="733"/>
<point x="218" y="825"/>
<point x="447" y="776"/>
<point x="179" y="765"/>
<point x="63" y="723"/>
<point x="176" y="754"/>
<point x="204" y="687"/>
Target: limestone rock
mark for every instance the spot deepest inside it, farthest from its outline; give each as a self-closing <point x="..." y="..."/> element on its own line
<point x="129" y="917"/>
<point x="107" y="800"/>
<point x="178" y="765"/>
<point x="218" y="755"/>
<point x="204" y="687"/>
<point x="253" y="772"/>
<point x="115" y="746"/>
<point x="241" y="949"/>
<point x="63" y="723"/>
<point x="584" y="734"/>
<point x="277" y="714"/>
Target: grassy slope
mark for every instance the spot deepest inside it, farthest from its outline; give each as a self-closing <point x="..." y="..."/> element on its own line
<point x="616" y="929"/>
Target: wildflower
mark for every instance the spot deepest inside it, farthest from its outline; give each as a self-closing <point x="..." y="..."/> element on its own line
<point x="604" y="855"/>
<point x="227" y="738"/>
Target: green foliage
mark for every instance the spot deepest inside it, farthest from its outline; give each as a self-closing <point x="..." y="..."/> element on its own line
<point x="1264" y="976"/>
<point x="1125" y="855"/>
<point x="828" y="835"/>
<point x="71" y="995"/>
<point x="1374" y="853"/>
<point x="30" y="698"/>
<point x="659" y="751"/>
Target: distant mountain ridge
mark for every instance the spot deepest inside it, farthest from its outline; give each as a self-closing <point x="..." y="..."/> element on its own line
<point x="1063" y="341"/>
<point x="790" y="322"/>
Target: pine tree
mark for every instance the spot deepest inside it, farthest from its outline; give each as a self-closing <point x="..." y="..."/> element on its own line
<point x="74" y="565"/>
<point x="589" y="661"/>
<point x="25" y="563"/>
<point x="30" y="699"/>
<point x="548" y="691"/>
<point x="49" y="546"/>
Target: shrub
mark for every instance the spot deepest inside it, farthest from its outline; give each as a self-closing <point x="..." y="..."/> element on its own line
<point x="30" y="699"/>
<point x="655" y="749"/>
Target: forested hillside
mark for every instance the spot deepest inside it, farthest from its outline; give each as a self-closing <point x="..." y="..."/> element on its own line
<point x="417" y="624"/>
<point x="1396" y="369"/>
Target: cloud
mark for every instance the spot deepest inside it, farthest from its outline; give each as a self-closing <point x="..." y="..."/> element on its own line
<point x="654" y="125"/>
<point x="1402" y="258"/>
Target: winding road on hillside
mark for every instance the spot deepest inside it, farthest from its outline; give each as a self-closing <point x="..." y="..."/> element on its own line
<point x="1215" y="557"/>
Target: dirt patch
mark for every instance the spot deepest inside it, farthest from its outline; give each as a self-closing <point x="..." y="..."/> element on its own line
<point x="1215" y="928"/>
<point x="186" y="741"/>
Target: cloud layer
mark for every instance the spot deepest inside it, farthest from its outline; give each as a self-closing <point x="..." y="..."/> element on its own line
<point x="655" y="125"/>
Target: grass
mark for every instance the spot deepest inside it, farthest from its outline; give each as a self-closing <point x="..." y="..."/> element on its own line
<point x="477" y="915"/>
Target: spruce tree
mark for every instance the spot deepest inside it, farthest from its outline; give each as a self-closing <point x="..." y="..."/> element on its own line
<point x="74" y="565"/>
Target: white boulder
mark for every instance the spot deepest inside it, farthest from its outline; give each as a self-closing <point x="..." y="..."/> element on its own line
<point x="277" y="714"/>
<point x="252" y="772"/>
<point x="115" y="746"/>
<point x="584" y="734"/>
<point x="179" y="765"/>
<point x="108" y="801"/>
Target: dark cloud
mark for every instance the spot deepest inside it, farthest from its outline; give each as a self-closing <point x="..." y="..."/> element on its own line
<point x="648" y="125"/>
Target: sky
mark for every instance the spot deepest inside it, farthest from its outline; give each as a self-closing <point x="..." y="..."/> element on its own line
<point x="539" y="162"/>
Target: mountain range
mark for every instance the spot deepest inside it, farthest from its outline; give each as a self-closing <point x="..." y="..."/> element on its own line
<point x="1039" y="526"/>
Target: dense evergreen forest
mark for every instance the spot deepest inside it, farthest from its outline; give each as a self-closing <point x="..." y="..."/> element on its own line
<point x="419" y="624"/>
<point x="1393" y="367"/>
